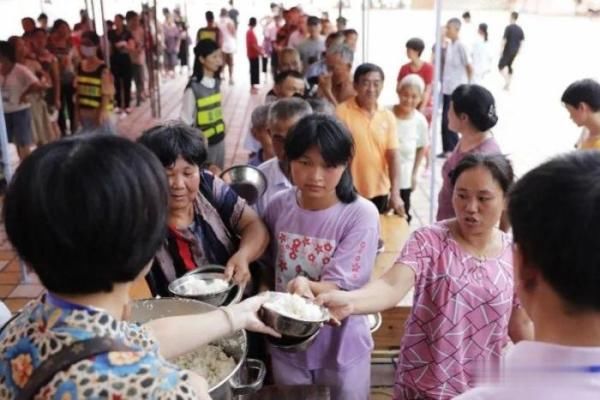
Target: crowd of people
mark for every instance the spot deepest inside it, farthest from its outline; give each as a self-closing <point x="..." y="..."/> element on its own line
<point x="59" y="80"/>
<point x="507" y="260"/>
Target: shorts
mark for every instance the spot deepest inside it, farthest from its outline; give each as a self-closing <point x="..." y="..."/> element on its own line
<point x="506" y="60"/>
<point x="18" y="127"/>
<point x="170" y="60"/>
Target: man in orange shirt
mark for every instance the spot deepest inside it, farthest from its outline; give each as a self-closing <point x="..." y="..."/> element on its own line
<point x="376" y="164"/>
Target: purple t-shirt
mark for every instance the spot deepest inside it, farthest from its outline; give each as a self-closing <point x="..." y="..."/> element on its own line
<point x="338" y="245"/>
<point x="445" y="209"/>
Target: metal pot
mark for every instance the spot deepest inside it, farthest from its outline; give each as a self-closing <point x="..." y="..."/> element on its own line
<point x="248" y="182"/>
<point x="235" y="294"/>
<point x="235" y="346"/>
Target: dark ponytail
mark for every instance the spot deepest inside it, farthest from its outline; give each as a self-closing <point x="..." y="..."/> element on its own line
<point x="477" y="103"/>
<point x="483" y="28"/>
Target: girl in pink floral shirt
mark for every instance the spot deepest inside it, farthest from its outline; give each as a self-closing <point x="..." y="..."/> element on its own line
<point x="464" y="308"/>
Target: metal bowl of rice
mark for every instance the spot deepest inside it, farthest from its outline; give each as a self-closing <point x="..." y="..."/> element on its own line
<point x="293" y="315"/>
<point x="209" y="287"/>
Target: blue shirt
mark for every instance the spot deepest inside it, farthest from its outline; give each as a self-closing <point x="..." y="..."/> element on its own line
<point x="48" y="324"/>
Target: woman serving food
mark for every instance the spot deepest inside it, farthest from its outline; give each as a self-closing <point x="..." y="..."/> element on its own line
<point x="88" y="214"/>
<point x="208" y="223"/>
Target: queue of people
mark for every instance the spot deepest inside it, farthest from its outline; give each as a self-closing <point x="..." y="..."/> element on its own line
<point x="92" y="213"/>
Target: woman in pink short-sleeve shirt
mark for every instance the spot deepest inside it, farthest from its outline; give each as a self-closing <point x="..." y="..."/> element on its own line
<point x="464" y="307"/>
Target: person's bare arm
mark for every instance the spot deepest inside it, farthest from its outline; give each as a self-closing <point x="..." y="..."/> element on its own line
<point x="179" y="335"/>
<point x="426" y="97"/>
<point x="378" y="295"/>
<point x="254" y="240"/>
<point x="520" y="327"/>
<point x="393" y="160"/>
<point x="418" y="159"/>
<point x="469" y="69"/>
<point x="55" y="77"/>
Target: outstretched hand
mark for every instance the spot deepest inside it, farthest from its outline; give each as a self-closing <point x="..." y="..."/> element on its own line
<point x="246" y="317"/>
<point x="339" y="304"/>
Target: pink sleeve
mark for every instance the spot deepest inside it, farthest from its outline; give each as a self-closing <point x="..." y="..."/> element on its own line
<point x="417" y="252"/>
<point x="352" y="263"/>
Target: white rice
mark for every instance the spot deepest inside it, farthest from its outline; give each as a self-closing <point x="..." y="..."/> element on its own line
<point x="295" y="306"/>
<point x="196" y="287"/>
<point x="209" y="361"/>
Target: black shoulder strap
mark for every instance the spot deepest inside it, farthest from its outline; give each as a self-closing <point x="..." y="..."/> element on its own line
<point x="66" y="357"/>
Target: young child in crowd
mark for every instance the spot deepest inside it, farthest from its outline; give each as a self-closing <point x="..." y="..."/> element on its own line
<point x="94" y="88"/>
<point x="582" y="100"/>
<point x="413" y="134"/>
<point x="324" y="238"/>
<point x="201" y="104"/>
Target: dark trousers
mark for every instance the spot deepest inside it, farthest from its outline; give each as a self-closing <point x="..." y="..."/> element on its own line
<point x="254" y="71"/>
<point x="265" y="64"/>
<point x="122" y="75"/>
<point x="405" y="196"/>
<point x="274" y="63"/>
<point x="67" y="108"/>
<point x="138" y="78"/>
<point x="449" y="138"/>
<point x="381" y="202"/>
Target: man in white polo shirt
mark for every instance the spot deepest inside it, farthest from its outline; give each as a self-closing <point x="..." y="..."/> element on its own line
<point x="457" y="71"/>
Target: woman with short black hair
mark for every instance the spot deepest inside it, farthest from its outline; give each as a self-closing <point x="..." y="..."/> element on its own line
<point x="87" y="214"/>
<point x="208" y="223"/>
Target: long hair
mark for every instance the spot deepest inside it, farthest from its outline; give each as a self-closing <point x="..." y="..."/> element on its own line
<point x="204" y="48"/>
<point x="334" y="143"/>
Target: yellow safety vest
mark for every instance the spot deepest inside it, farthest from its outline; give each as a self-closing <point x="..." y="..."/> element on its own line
<point x="209" y="113"/>
<point x="89" y="88"/>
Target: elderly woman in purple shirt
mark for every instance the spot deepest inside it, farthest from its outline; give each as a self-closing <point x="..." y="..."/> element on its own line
<point x="324" y="239"/>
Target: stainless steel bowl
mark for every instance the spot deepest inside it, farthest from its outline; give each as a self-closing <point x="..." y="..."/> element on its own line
<point x="292" y="344"/>
<point x="375" y="321"/>
<point x="248" y="182"/>
<point x="289" y="326"/>
<point x="234" y="296"/>
<point x="177" y="288"/>
<point x="235" y="345"/>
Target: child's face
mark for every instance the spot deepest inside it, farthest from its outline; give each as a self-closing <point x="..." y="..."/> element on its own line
<point x="213" y="61"/>
<point x="411" y="54"/>
<point x="312" y="175"/>
<point x="409" y="97"/>
<point x="577" y="114"/>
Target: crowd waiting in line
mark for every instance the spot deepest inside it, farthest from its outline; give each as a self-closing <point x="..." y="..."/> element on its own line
<point x="495" y="268"/>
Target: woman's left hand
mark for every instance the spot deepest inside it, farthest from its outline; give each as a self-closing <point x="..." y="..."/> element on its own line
<point x="300" y="286"/>
<point x="237" y="269"/>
